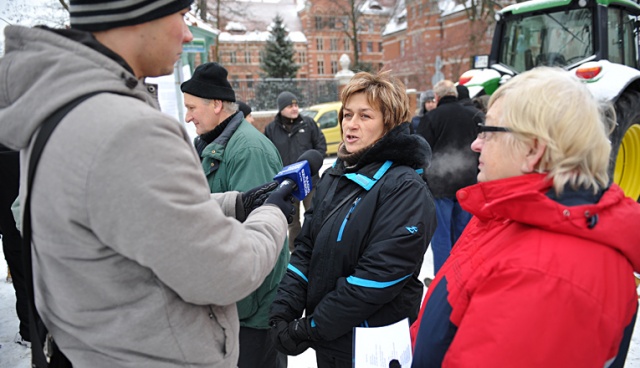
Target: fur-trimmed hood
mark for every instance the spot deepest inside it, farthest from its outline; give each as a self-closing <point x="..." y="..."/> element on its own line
<point x="399" y="146"/>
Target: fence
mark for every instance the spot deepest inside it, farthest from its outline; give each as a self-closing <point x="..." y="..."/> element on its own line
<point x="261" y="94"/>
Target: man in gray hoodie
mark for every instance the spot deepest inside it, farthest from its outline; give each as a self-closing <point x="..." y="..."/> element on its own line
<point x="135" y="263"/>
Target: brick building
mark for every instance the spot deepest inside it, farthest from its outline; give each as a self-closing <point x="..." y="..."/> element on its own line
<point x="429" y="40"/>
<point x="318" y="29"/>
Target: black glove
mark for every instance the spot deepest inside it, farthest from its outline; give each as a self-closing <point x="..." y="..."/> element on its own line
<point x="301" y="329"/>
<point x="282" y="340"/>
<point x="254" y="198"/>
<point x="282" y="198"/>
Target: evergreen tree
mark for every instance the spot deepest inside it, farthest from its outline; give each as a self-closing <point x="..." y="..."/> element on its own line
<point x="277" y="55"/>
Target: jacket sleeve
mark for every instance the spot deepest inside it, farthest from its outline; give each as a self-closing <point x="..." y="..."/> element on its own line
<point x="291" y="298"/>
<point x="425" y="129"/>
<point x="152" y="205"/>
<point x="522" y="318"/>
<point x="400" y="231"/>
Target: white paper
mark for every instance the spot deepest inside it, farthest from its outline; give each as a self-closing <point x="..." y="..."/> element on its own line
<point x="375" y="347"/>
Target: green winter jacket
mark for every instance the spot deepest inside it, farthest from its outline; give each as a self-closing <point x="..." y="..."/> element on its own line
<point x="239" y="159"/>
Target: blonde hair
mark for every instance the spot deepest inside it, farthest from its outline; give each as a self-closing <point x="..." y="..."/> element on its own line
<point x="445" y="88"/>
<point x="384" y="92"/>
<point x="555" y="107"/>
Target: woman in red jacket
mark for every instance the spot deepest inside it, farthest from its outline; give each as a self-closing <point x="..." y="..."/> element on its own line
<point x="543" y="274"/>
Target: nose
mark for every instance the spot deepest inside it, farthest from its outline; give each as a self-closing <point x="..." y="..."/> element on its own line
<point x="187" y="35"/>
<point x="477" y="144"/>
<point x="188" y="118"/>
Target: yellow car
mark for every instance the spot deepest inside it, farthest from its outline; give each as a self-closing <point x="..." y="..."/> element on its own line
<point x="326" y="116"/>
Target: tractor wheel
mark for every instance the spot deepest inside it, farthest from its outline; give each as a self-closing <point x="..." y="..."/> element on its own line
<point x="625" y="144"/>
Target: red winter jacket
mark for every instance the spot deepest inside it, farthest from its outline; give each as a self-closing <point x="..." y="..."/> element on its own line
<point x="533" y="282"/>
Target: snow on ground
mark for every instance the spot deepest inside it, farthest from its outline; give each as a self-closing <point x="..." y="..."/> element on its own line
<point x="13" y="355"/>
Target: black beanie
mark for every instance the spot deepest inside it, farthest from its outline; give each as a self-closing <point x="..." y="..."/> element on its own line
<point x="210" y="81"/>
<point x="285" y="99"/>
<point x="246" y="109"/>
<point x="101" y="15"/>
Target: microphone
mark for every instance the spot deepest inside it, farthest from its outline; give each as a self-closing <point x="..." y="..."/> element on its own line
<point x="296" y="178"/>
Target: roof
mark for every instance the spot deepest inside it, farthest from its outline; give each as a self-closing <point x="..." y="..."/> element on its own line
<point x="257" y="15"/>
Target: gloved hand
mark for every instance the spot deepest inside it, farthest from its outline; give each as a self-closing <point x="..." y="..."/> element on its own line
<point x="282" y="198"/>
<point x="301" y="329"/>
<point x="254" y="198"/>
<point x="282" y="340"/>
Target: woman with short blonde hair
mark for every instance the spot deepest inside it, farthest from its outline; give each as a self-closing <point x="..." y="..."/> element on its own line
<point x="542" y="276"/>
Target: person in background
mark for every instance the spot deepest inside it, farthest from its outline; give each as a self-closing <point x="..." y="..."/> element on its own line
<point x="463" y="97"/>
<point x="246" y="110"/>
<point x="11" y="239"/>
<point x="359" y="254"/>
<point x="136" y="263"/>
<point x="481" y="102"/>
<point x="236" y="156"/>
<point x="427" y="103"/>
<point x="543" y="274"/>
<point x="449" y="128"/>
<point x="293" y="134"/>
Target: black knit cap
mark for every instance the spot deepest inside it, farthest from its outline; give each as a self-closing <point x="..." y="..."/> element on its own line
<point x="210" y="81"/>
<point x="246" y="109"/>
<point x="285" y="99"/>
<point x="101" y="15"/>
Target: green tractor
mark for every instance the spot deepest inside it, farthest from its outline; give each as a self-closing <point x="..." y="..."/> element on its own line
<point x="595" y="39"/>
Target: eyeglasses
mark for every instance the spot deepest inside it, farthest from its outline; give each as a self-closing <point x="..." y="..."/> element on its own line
<point x="483" y="129"/>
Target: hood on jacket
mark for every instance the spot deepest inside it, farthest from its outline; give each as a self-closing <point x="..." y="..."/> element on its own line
<point x="42" y="71"/>
<point x="612" y="221"/>
<point x="401" y="147"/>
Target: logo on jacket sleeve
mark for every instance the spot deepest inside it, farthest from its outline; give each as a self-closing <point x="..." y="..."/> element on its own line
<point x="412" y="229"/>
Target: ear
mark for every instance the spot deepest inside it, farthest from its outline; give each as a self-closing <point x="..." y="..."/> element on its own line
<point x="217" y="106"/>
<point x="533" y="156"/>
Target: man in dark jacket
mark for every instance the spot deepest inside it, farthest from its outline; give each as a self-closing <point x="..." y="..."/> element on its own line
<point x="449" y="128"/>
<point x="293" y="134"/>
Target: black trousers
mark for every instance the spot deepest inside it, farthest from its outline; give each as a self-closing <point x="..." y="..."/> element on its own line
<point x="256" y="349"/>
<point x="11" y="239"/>
<point x="328" y="360"/>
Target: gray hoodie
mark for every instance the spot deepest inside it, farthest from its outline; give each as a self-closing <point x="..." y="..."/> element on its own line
<point x="135" y="265"/>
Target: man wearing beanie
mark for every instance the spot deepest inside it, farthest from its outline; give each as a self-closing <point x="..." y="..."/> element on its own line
<point x="135" y="263"/>
<point x="294" y="134"/>
<point x="246" y="110"/>
<point x="236" y="156"/>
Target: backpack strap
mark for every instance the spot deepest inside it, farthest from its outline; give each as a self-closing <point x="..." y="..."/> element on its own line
<point x="44" y="352"/>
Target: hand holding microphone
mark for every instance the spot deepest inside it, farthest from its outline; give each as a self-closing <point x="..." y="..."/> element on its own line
<point x="295" y="181"/>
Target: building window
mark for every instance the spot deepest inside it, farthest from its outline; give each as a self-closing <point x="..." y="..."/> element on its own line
<point x="379" y="46"/>
<point x="302" y="57"/>
<point x="318" y="22"/>
<point x="401" y="47"/>
<point x="334" y="44"/>
<point x="334" y="67"/>
<point x="369" y="46"/>
<point x="247" y="57"/>
<point x="319" y="45"/>
<point x="331" y="22"/>
<point x="320" y="67"/>
<point x="249" y="81"/>
<point x="372" y="28"/>
<point x="232" y="57"/>
<point x="359" y="47"/>
<point x="234" y="82"/>
<point x="347" y="44"/>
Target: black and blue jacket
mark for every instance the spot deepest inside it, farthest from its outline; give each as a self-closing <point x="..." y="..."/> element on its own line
<point x="359" y="254"/>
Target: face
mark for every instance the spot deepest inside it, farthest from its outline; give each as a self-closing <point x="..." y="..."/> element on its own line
<point x="430" y="104"/>
<point x="362" y="124"/>
<point x="204" y="116"/>
<point x="291" y="112"/>
<point x="498" y="160"/>
<point x="162" y="41"/>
